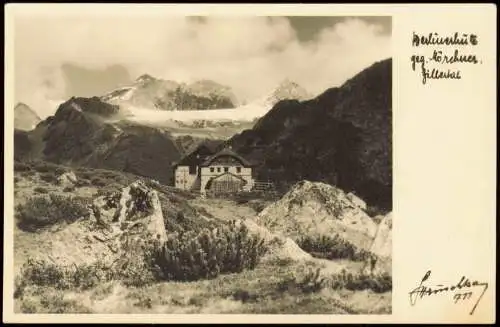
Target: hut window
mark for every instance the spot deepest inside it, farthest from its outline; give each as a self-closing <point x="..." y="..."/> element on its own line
<point x="211" y="169"/>
<point x="226" y="169"/>
<point x="218" y="169"/>
<point x="238" y="170"/>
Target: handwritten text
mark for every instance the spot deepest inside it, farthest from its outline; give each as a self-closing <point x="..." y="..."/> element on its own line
<point x="437" y="61"/>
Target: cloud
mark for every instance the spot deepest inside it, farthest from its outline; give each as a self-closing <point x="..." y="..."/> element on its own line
<point x="250" y="54"/>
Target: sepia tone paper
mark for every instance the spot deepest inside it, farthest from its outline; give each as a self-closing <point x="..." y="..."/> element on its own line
<point x="443" y="158"/>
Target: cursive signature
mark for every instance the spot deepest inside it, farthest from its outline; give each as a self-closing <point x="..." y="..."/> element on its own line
<point x="463" y="290"/>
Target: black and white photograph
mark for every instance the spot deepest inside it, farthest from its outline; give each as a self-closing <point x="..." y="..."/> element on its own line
<point x="202" y="164"/>
<point x="242" y="163"/>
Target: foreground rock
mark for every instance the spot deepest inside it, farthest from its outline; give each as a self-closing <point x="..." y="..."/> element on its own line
<point x="314" y="209"/>
<point x="280" y="246"/>
<point x="67" y="179"/>
<point x="382" y="248"/>
<point x="119" y="227"/>
<point x="382" y="244"/>
<point x="283" y="249"/>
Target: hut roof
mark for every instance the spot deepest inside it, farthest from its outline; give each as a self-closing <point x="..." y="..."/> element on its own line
<point x="226" y="152"/>
<point x="200" y="154"/>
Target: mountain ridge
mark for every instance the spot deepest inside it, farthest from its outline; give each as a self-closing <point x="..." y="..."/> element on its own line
<point x="342" y="137"/>
<point x="156" y="93"/>
<point x="79" y="134"/>
<point x="25" y="118"/>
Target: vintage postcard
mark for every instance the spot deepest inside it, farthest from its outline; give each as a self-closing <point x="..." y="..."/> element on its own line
<point x="250" y="163"/>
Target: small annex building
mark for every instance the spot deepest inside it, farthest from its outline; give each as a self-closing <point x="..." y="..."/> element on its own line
<point x="206" y="170"/>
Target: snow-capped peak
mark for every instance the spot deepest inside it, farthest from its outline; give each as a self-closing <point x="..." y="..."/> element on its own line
<point x="144" y="78"/>
<point x="288" y="90"/>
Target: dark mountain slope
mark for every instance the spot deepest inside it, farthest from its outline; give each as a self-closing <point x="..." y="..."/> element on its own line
<point x="80" y="134"/>
<point x="342" y="137"/>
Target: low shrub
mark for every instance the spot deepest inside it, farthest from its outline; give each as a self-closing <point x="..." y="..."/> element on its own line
<point x="44" y="273"/>
<point x="41" y="190"/>
<point x="336" y="247"/>
<point x="189" y="256"/>
<point x="256" y="205"/>
<point x="47" y="167"/>
<point x="29" y="306"/>
<point x="144" y="301"/>
<point x="312" y="282"/>
<point x="21" y="166"/>
<point x="69" y="189"/>
<point x="112" y="197"/>
<point x="111" y="176"/>
<point x="380" y="283"/>
<point x="28" y="173"/>
<point x="82" y="183"/>
<point x="52" y="303"/>
<point x="84" y="173"/>
<point x="56" y="303"/>
<point x="138" y="272"/>
<point x="98" y="181"/>
<point x="49" y="177"/>
<point x="102" y="177"/>
<point x="39" y="212"/>
<point x="244" y="296"/>
<point x="82" y="277"/>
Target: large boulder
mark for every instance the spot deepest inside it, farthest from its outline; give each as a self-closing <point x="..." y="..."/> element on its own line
<point x="280" y="247"/>
<point x="382" y="244"/>
<point x="382" y="248"/>
<point x="314" y="209"/>
<point x="357" y="201"/>
<point x="119" y="228"/>
<point x="67" y="179"/>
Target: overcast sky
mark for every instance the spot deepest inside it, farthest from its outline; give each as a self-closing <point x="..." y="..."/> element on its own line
<point x="58" y="57"/>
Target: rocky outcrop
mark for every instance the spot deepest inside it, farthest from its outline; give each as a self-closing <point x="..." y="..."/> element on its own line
<point x="314" y="209"/>
<point x="93" y="105"/>
<point x="382" y="244"/>
<point x="67" y="179"/>
<point x="357" y="201"/>
<point x="148" y="92"/>
<point x="381" y="247"/>
<point x="288" y="90"/>
<point x="118" y="229"/>
<point x="135" y="206"/>
<point x="280" y="247"/>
